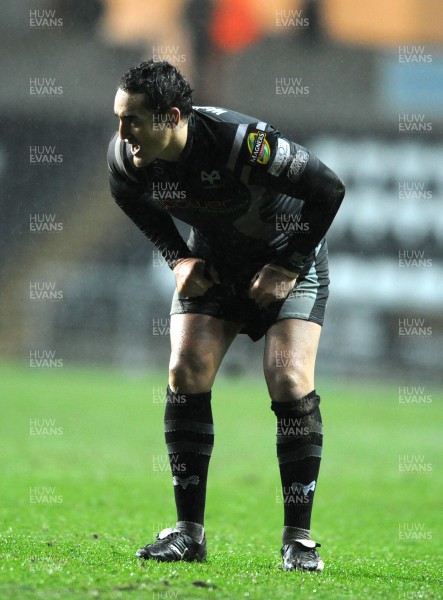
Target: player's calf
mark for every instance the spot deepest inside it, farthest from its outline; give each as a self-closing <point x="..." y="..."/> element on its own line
<point x="299" y="448"/>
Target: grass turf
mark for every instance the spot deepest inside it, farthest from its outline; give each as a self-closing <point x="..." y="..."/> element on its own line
<point x="80" y="497"/>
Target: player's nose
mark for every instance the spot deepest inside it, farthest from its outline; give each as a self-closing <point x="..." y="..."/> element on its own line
<point x="123" y="131"/>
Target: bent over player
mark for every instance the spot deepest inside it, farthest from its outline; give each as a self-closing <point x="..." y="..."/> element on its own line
<point x="256" y="262"/>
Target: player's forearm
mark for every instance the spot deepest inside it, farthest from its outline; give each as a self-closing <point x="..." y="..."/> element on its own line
<point x="282" y="270"/>
<point x="323" y="192"/>
<point x="158" y="227"/>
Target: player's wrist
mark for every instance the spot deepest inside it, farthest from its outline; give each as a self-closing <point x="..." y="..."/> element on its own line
<point x="178" y="262"/>
<point x="282" y="270"/>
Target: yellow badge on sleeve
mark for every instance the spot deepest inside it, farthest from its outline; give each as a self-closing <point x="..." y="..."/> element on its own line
<point x="258" y="147"/>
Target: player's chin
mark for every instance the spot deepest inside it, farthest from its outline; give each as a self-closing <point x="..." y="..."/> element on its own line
<point x="141" y="161"/>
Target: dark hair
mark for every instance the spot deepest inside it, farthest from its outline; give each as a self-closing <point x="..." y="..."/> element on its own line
<point x="162" y="84"/>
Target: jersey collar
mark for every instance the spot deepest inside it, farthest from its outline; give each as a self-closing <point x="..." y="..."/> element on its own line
<point x="190" y="139"/>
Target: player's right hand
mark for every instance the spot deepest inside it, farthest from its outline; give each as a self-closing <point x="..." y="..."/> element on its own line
<point x="191" y="277"/>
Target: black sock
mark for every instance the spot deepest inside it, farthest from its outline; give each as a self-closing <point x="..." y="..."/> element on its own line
<point x="299" y="445"/>
<point x="189" y="433"/>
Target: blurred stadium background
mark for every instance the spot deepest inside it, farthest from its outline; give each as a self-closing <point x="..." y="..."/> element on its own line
<point x="360" y="83"/>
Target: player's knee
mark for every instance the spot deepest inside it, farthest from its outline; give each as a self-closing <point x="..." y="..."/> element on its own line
<point x="190" y="375"/>
<point x="288" y="385"/>
<point x="307" y="406"/>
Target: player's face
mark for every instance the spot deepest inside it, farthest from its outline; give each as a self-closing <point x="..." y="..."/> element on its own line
<point x="148" y="136"/>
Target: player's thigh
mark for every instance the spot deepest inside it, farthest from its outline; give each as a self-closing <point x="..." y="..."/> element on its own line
<point x="198" y="345"/>
<point x="289" y="358"/>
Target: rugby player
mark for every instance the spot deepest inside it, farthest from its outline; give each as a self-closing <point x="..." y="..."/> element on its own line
<point x="259" y="205"/>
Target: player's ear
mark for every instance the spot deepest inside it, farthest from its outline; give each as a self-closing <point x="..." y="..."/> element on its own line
<point x="174" y="116"/>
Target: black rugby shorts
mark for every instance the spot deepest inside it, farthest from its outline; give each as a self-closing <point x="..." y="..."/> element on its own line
<point x="229" y="300"/>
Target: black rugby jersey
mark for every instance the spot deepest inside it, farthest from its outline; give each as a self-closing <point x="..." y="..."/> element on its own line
<point x="249" y="193"/>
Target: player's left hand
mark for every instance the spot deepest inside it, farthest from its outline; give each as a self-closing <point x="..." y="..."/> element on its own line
<point x="270" y="284"/>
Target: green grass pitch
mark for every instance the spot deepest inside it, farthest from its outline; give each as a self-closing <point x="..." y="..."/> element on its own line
<point x="85" y="484"/>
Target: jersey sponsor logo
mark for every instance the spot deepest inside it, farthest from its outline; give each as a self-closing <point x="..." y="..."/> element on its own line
<point x="258" y="147"/>
<point x="210" y="177"/>
<point x="298" y="164"/>
<point x="216" y="206"/>
<point x="281" y="157"/>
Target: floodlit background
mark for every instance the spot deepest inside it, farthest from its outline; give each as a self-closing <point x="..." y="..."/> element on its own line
<point x="360" y="83"/>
